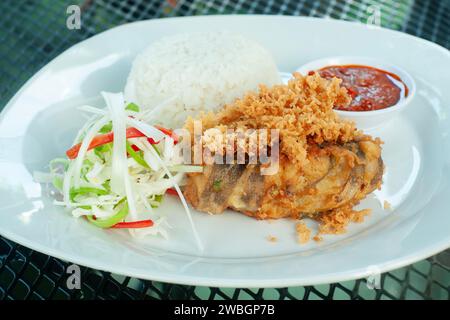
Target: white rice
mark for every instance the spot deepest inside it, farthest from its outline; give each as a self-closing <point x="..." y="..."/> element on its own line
<point x="197" y="72"/>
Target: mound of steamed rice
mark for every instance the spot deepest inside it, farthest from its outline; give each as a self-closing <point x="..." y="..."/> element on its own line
<point x="185" y="74"/>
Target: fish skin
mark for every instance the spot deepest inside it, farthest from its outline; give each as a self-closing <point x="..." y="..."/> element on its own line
<point x="336" y="175"/>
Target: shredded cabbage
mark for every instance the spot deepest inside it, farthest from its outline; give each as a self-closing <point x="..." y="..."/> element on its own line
<point x="90" y="134"/>
<point x="121" y="179"/>
<point x="93" y="110"/>
<point x="116" y="106"/>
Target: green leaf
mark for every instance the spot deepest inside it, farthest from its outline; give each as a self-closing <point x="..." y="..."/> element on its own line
<point x="132" y="107"/>
<point x="106" y="128"/>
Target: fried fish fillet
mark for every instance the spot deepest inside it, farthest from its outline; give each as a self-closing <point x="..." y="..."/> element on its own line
<point x="325" y="163"/>
<point x="334" y="176"/>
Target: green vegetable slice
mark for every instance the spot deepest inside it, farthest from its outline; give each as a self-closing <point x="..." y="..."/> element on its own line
<point x="109" y="222"/>
<point x="86" y="190"/>
<point x="101" y="150"/>
<point x="58" y="183"/>
<point x="156" y="149"/>
<point x="62" y="161"/>
<point x="136" y="155"/>
<point x="106" y="128"/>
<point x="132" y="107"/>
<point x="156" y="202"/>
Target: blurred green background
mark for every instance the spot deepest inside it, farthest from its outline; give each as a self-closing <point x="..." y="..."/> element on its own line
<point x="34" y="31"/>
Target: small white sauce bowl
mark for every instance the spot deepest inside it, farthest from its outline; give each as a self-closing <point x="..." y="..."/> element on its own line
<point x="367" y="120"/>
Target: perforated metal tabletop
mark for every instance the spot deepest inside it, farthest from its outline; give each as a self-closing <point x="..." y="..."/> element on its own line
<point x="32" y="32"/>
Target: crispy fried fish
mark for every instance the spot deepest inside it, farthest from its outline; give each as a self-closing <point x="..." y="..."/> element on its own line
<point x="335" y="175"/>
<point x="324" y="162"/>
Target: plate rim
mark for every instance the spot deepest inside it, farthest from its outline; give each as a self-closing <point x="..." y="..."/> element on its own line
<point x="184" y="279"/>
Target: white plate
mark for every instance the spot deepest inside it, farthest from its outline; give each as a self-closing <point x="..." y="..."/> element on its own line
<point x="39" y="123"/>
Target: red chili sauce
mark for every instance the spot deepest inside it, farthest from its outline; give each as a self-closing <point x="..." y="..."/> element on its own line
<point x="370" y="88"/>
